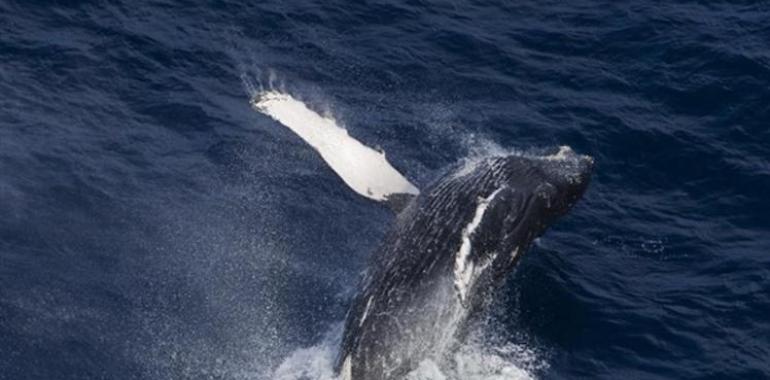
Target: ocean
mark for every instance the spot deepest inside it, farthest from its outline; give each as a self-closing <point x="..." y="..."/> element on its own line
<point x="153" y="225"/>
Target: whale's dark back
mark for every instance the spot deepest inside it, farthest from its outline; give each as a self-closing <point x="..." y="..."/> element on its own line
<point x="409" y="304"/>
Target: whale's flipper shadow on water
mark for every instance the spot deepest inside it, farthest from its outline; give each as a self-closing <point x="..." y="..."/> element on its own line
<point x="452" y="243"/>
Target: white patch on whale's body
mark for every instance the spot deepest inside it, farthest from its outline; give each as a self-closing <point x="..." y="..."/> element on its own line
<point x="364" y="169"/>
<point x="464" y="268"/>
<point x="347" y="369"/>
<point x="366" y="311"/>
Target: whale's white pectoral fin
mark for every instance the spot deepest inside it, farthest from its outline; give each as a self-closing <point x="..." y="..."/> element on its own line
<point x="364" y="169"/>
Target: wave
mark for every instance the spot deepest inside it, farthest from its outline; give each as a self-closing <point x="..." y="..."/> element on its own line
<point x="475" y="359"/>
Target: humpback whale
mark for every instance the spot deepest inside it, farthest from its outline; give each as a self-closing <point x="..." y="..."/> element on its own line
<point x="452" y="242"/>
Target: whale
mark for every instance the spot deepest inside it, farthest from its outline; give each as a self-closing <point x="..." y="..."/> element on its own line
<point x="451" y="245"/>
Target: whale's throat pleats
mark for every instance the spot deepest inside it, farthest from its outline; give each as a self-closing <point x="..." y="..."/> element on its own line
<point x="364" y="169"/>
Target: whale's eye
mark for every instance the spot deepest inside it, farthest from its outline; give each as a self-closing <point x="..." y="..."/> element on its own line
<point x="546" y="191"/>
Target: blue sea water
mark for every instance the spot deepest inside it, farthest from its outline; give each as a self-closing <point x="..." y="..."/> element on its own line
<point x="153" y="226"/>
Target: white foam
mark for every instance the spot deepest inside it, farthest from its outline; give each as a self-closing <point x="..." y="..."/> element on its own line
<point x="471" y="361"/>
<point x="564" y="153"/>
<point x="364" y="169"/>
<point x="481" y="150"/>
<point x="469" y="165"/>
<point x="308" y="363"/>
<point x="464" y="268"/>
<point x="509" y="362"/>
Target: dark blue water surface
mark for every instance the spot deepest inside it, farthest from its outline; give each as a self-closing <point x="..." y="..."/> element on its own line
<point x="153" y="226"/>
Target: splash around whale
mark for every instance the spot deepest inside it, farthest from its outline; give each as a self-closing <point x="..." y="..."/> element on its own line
<point x="452" y="243"/>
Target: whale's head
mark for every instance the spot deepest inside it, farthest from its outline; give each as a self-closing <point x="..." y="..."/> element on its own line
<point x="518" y="197"/>
<point x="555" y="182"/>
